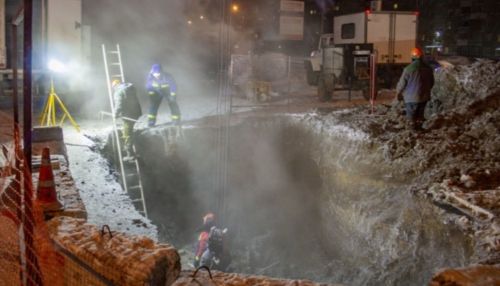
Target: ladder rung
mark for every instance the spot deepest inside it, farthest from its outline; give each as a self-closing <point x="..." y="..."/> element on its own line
<point x="137" y="201"/>
<point x="117" y="75"/>
<point x="132" y="175"/>
<point x="114" y="64"/>
<point x="113" y="52"/>
<point x="135" y="188"/>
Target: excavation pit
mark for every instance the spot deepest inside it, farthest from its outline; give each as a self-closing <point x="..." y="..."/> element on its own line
<point x="305" y="198"/>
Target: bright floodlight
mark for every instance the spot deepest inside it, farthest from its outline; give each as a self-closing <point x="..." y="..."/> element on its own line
<point x="56" y="66"/>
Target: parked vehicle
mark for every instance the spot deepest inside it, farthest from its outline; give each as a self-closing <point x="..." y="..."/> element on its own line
<point x="342" y="60"/>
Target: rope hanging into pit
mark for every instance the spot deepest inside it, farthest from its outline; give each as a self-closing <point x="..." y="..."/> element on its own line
<point x="223" y="114"/>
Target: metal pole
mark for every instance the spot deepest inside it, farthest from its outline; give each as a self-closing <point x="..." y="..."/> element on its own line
<point x="373" y="79"/>
<point x="28" y="223"/>
<point x="17" y="150"/>
<point x="349" y="79"/>
<point x="289" y="91"/>
<point x="14" y="80"/>
<point x="27" y="88"/>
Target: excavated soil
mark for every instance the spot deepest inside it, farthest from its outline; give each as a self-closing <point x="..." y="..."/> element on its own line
<point x="455" y="161"/>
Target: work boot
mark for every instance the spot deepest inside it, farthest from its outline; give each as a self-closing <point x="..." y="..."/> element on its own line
<point x="417" y="126"/>
<point x="129" y="155"/>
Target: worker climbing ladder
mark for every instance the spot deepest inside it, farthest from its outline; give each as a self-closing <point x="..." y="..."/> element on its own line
<point x="129" y="169"/>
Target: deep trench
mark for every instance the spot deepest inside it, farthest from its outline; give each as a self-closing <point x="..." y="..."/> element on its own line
<point x="301" y="202"/>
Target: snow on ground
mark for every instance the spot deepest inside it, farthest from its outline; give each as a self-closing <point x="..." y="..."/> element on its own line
<point x="104" y="198"/>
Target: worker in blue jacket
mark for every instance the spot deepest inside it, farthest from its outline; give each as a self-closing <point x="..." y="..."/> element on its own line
<point x="161" y="85"/>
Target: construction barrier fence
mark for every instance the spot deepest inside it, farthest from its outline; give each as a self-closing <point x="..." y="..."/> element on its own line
<point x="28" y="255"/>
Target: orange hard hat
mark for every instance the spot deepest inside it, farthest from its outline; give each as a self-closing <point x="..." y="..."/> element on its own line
<point x="416" y="53"/>
<point x="209" y="217"/>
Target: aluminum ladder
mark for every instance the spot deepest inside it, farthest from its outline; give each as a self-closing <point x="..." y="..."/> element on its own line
<point x="114" y="70"/>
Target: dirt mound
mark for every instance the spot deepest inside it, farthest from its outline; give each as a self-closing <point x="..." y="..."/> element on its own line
<point x="459" y="86"/>
<point x="477" y="275"/>
<point x="461" y="134"/>
<point x="455" y="161"/>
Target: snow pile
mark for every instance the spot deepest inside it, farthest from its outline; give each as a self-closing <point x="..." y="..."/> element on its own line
<point x="460" y="145"/>
<point x="461" y="85"/>
<point x="104" y="198"/>
<point x="330" y="125"/>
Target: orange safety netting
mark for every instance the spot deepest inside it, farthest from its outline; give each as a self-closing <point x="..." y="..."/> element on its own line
<point x="27" y="255"/>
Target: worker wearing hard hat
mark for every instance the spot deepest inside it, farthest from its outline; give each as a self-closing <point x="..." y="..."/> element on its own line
<point x="414" y="87"/>
<point x="161" y="85"/>
<point x="202" y="244"/>
<point x="128" y="108"/>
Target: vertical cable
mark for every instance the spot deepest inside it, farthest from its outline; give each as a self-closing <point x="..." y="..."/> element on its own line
<point x="223" y="113"/>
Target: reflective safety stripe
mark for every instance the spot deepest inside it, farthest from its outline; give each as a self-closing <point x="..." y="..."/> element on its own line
<point x="151" y="116"/>
<point x="155" y="85"/>
<point x="152" y="93"/>
<point x="46" y="184"/>
<point x="172" y="93"/>
<point x="165" y="85"/>
<point x="175" y="117"/>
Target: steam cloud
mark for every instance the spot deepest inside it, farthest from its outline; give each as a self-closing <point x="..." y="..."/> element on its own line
<point x="154" y="31"/>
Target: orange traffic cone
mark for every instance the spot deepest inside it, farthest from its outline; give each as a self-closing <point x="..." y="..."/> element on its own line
<point x="46" y="190"/>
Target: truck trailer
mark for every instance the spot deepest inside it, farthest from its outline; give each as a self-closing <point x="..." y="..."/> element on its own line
<point x="342" y="60"/>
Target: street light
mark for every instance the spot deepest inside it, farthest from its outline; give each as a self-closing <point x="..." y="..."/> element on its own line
<point x="56" y="66"/>
<point x="235" y="8"/>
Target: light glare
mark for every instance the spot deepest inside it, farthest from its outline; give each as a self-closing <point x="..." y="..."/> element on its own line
<point x="56" y="66"/>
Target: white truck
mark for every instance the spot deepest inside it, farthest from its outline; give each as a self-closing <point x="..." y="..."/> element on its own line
<point x="342" y="58"/>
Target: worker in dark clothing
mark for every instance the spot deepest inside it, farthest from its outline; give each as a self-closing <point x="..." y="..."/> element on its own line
<point x="202" y="244"/>
<point x="414" y="87"/>
<point x="216" y="255"/>
<point x="161" y="85"/>
<point x="127" y="108"/>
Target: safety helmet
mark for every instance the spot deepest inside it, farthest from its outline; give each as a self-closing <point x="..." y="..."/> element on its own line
<point x="156" y="68"/>
<point x="416" y="53"/>
<point x="208" y="218"/>
<point x="115" y="82"/>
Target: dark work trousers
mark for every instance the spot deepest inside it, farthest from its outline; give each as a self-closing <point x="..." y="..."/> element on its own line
<point x="155" y="101"/>
<point x="415" y="113"/>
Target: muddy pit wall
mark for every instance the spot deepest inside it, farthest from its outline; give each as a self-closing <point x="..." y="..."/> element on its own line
<point x="305" y="199"/>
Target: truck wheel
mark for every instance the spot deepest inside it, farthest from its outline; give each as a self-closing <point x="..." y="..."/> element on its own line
<point x="312" y="76"/>
<point x="324" y="94"/>
<point x="321" y="90"/>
